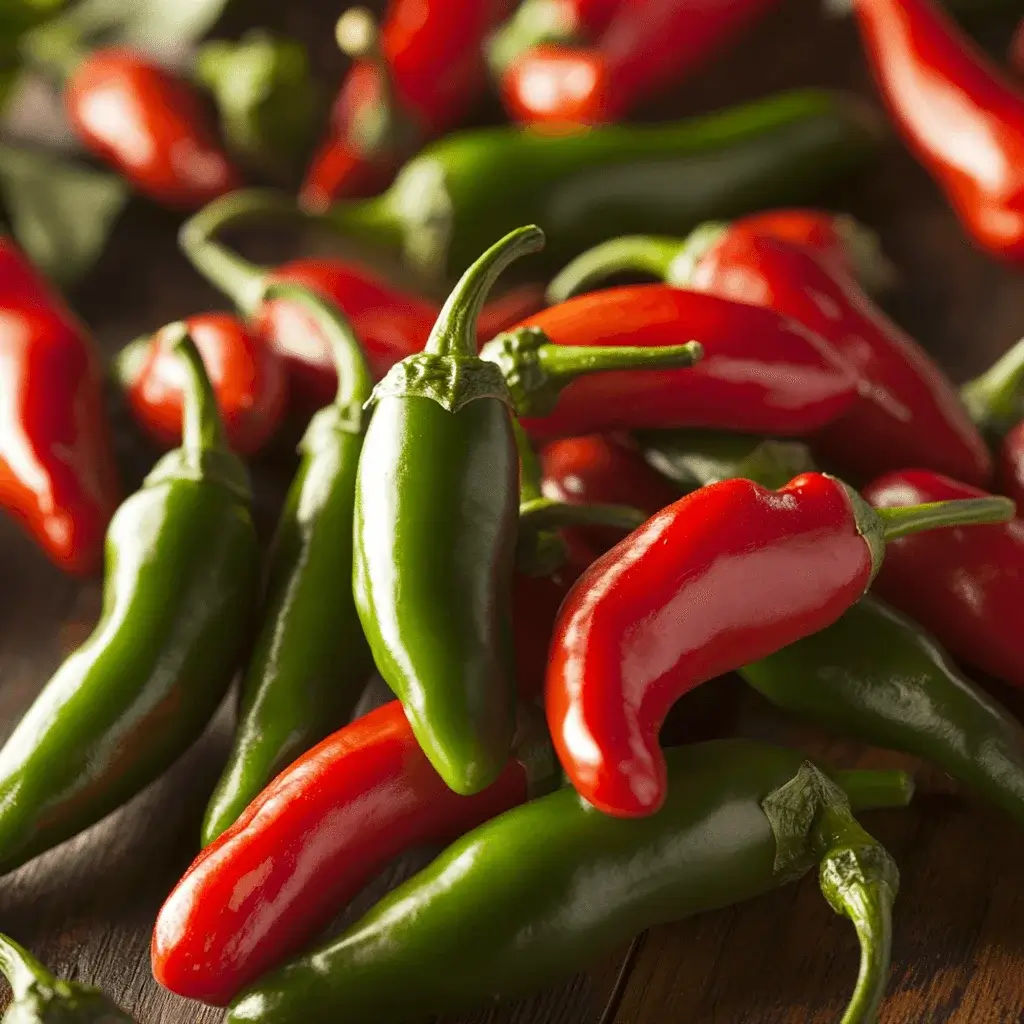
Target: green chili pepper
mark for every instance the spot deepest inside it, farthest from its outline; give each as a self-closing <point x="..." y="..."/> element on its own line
<point x="587" y="186"/>
<point x="182" y="576"/>
<point x="875" y="675"/>
<point x="547" y="888"/>
<point x="40" y="998"/>
<point x="311" y="661"/>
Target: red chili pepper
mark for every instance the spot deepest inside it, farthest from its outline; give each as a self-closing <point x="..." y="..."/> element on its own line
<point x="599" y="469"/>
<point x="725" y="576"/>
<point x="248" y="377"/>
<point x="956" y="111"/>
<point x="416" y="79"/>
<point x="966" y="587"/>
<point x="58" y="477"/>
<point x="303" y="848"/>
<point x="761" y="373"/>
<point x="150" y="126"/>
<point x="647" y="46"/>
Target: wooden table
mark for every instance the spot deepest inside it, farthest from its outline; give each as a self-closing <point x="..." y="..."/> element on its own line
<point x="88" y="907"/>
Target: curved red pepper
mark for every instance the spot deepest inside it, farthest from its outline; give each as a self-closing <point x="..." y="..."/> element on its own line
<point x="150" y="126"/>
<point x="956" y="111"/>
<point x="647" y="46"/>
<point x="58" y="477"/>
<point x="432" y="54"/>
<point x="966" y="587"/>
<point x="598" y="469"/>
<point x="725" y="576"/>
<point x="303" y="848"/>
<point x="909" y="415"/>
<point x="761" y="373"/>
<point x="248" y="378"/>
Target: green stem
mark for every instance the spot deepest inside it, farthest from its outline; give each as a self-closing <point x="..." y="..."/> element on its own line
<point x="530" y="475"/>
<point x="869" y="789"/>
<point x="202" y="430"/>
<point x="648" y="254"/>
<point x="548" y="514"/>
<point x="455" y="332"/>
<point x="238" y="278"/>
<point x="935" y="515"/>
<point x="21" y="969"/>
<point x="534" y="23"/>
<point x="995" y="400"/>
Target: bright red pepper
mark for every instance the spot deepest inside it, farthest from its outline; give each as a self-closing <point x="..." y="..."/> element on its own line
<point x="303" y="848"/>
<point x="959" y="114"/>
<point x="248" y="377"/>
<point x="150" y="126"/>
<point x="58" y="477"/>
<point x="966" y="587"/>
<point x="424" y="73"/>
<point x="647" y="46"/>
<point x="761" y="373"/>
<point x="725" y="576"/>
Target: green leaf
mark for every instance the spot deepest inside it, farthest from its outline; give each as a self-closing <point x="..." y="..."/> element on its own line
<point x="60" y="211"/>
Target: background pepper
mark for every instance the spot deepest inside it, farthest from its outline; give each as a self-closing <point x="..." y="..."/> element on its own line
<point x="58" y="477"/>
<point x="182" y="574"/>
<point x="310" y="662"/>
<point x="692" y="594"/>
<point x="546" y="888"/>
<point x="247" y="375"/>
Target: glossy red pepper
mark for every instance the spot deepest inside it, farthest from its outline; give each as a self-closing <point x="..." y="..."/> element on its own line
<point x="303" y="848"/>
<point x="58" y="477"/>
<point x="416" y="80"/>
<point x="150" y="126"/>
<point x="966" y="587"/>
<point x="723" y="577"/>
<point x="960" y="115"/>
<point x="647" y="46"/>
<point x="248" y="377"/>
<point x="761" y="372"/>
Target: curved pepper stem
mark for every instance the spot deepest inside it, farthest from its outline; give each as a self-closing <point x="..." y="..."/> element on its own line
<point x="535" y="23"/>
<point x="536" y="370"/>
<point x="995" y="400"/>
<point x="642" y="254"/>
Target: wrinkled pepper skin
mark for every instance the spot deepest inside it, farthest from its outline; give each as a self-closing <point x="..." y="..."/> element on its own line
<point x="876" y="676"/>
<point x="248" y="377"/>
<point x="58" y="477"/>
<point x="585" y="187"/>
<point x="761" y="372"/>
<point x="310" y="662"/>
<point x="966" y="587"/>
<point x="539" y="894"/>
<point x="149" y="126"/>
<point x="312" y="839"/>
<point x="182" y="575"/>
<point x="941" y="90"/>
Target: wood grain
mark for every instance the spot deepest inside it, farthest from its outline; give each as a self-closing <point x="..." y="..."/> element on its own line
<point x="88" y="907"/>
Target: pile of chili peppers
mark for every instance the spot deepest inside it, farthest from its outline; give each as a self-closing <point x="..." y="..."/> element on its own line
<point x="543" y="517"/>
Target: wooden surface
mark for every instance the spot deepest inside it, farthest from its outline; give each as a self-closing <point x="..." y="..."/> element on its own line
<point x="88" y="907"/>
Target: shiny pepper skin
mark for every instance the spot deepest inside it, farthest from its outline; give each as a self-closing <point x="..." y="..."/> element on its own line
<point x="304" y="847"/>
<point x="149" y="126"/>
<point x="960" y="114"/>
<point x="247" y="376"/>
<point x="966" y="586"/>
<point x="58" y="477"/>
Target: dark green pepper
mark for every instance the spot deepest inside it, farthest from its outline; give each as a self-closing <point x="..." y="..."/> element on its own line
<point x="182" y="578"/>
<point x="584" y="187"/>
<point x="311" y="662"/>
<point x="547" y="888"/>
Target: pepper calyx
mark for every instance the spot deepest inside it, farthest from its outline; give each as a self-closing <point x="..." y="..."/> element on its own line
<point x="331" y="421"/>
<point x="515" y="355"/>
<point x="450" y="381"/>
<point x="221" y="467"/>
<point x="869" y="526"/>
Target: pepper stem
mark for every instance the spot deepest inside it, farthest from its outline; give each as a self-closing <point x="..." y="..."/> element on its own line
<point x="455" y="332"/>
<point x="535" y="22"/>
<point x="530" y="475"/>
<point x="995" y="400"/>
<point x="936" y="515"/>
<point x="21" y="969"/>
<point x="548" y="514"/>
<point x="867" y="789"/>
<point x="648" y="254"/>
<point x="201" y="429"/>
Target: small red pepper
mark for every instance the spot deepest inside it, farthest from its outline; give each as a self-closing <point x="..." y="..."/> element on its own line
<point x="966" y="587"/>
<point x="248" y="377"/>
<point x="647" y="46"/>
<point x="150" y="126"/>
<point x="762" y="373"/>
<point x="957" y="111"/>
<point x="58" y="476"/>
<point x="724" y="576"/>
<point x="307" y="844"/>
<point x="415" y="78"/>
